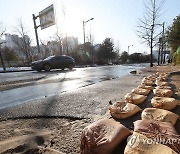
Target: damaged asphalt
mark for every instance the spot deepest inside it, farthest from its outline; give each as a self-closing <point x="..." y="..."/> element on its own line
<point x="86" y="102"/>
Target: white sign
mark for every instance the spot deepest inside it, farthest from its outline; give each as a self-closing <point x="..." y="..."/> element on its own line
<point x="46" y="17"/>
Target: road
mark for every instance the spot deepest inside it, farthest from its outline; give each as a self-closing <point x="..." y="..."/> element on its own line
<point x="57" y="82"/>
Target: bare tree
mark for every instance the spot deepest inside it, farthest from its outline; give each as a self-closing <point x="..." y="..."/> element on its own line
<point x="2" y="30"/>
<point x="9" y="55"/>
<point x="46" y="52"/>
<point x="58" y="39"/>
<point x="149" y="24"/>
<point x="23" y="42"/>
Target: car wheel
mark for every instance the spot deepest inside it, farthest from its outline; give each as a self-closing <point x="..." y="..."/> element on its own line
<point x="70" y="67"/>
<point x="47" y="67"/>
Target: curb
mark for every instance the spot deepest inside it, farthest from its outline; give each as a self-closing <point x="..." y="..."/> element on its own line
<point x="11" y="71"/>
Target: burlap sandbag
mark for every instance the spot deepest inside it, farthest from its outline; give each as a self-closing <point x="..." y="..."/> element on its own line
<point x="139" y="144"/>
<point x="122" y="110"/>
<point x="147" y="82"/>
<point x="162" y="78"/>
<point x="146" y="87"/>
<point x="161" y="132"/>
<point x="161" y="83"/>
<point x="141" y="91"/>
<point x="153" y="126"/>
<point x="163" y="87"/>
<point x="150" y="77"/>
<point x="163" y="92"/>
<point x="102" y="136"/>
<point x="164" y="103"/>
<point x="166" y="75"/>
<point x="135" y="98"/>
<point x="159" y="115"/>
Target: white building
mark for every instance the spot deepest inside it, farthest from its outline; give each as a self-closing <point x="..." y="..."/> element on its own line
<point x="9" y="41"/>
<point x="12" y="40"/>
<point x="69" y="43"/>
<point x="166" y="52"/>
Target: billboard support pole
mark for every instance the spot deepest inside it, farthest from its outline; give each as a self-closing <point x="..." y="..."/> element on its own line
<point x="35" y="28"/>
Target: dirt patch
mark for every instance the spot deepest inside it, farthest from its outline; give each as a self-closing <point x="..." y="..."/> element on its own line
<point x="58" y="135"/>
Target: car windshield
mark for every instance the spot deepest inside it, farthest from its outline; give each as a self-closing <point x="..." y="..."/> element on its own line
<point x="49" y="58"/>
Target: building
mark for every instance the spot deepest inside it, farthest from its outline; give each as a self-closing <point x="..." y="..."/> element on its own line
<point x="166" y="52"/>
<point x="69" y="43"/>
<point x="9" y="41"/>
<point x="12" y="40"/>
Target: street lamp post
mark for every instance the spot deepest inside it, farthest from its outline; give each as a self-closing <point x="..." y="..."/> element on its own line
<point x="161" y="41"/>
<point x="84" y="23"/>
<point x="129" y="47"/>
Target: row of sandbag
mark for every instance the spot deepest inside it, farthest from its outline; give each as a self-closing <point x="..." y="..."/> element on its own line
<point x="155" y="133"/>
<point x="162" y="100"/>
<point x="162" y="92"/>
<point x="157" y="123"/>
<point x="104" y="135"/>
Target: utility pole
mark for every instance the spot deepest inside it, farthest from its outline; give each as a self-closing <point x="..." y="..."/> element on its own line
<point x="84" y="31"/>
<point x="162" y="49"/>
<point x="35" y="28"/>
<point x="159" y="51"/>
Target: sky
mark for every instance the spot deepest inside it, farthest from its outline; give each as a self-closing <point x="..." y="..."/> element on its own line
<point x="116" y="19"/>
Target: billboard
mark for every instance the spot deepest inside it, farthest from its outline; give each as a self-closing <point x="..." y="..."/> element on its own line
<point x="47" y="17"/>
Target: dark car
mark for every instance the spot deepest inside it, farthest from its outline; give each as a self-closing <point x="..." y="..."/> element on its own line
<point x="54" y="62"/>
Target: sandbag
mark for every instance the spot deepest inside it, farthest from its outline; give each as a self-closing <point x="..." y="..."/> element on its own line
<point x="146" y="87"/>
<point x="162" y="74"/>
<point x="163" y="87"/>
<point x="164" y="103"/>
<point x="122" y="110"/>
<point x="139" y="144"/>
<point x="160" y="132"/>
<point x="161" y="83"/>
<point x="162" y="78"/>
<point x="150" y="77"/>
<point x="147" y="82"/>
<point x="159" y="115"/>
<point x="135" y="98"/>
<point x="155" y="127"/>
<point x="163" y="92"/>
<point x="102" y="136"/>
<point x="141" y="91"/>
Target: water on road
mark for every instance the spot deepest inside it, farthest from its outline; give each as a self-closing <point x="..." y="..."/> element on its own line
<point x="62" y="81"/>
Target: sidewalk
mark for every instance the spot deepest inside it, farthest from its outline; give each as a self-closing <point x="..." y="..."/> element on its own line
<point x="15" y="69"/>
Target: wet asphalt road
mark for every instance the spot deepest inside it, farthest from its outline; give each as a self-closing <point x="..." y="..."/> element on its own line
<point x="57" y="82"/>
